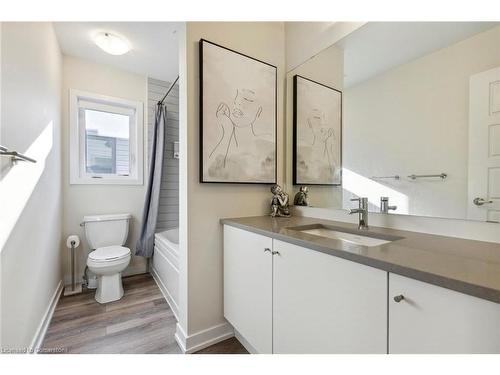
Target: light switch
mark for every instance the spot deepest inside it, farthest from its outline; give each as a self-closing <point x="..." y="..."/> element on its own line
<point x="176" y="150"/>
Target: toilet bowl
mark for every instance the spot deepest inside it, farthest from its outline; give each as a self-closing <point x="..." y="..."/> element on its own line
<point x="107" y="263"/>
<point x="106" y="235"/>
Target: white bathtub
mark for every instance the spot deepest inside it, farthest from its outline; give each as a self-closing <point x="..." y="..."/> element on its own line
<point x="165" y="266"/>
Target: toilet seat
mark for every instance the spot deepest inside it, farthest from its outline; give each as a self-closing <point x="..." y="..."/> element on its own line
<point x="109" y="253"/>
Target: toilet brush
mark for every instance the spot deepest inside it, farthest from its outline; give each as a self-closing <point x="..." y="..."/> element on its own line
<point x="72" y="243"/>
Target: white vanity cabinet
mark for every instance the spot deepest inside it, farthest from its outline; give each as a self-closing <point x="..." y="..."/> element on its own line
<point x="283" y="298"/>
<point x="326" y="304"/>
<point x="248" y="286"/>
<point x="432" y="319"/>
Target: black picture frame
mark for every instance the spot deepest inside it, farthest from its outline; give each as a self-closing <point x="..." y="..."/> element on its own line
<point x="202" y="146"/>
<point x="296" y="104"/>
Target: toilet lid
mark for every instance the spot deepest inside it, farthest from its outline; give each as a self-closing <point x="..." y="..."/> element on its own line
<point x="109" y="253"/>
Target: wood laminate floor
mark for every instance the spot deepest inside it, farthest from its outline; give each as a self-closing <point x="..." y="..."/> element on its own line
<point x="140" y="322"/>
<point x="229" y="346"/>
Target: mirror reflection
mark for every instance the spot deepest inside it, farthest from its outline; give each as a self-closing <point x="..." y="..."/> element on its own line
<point x="420" y="119"/>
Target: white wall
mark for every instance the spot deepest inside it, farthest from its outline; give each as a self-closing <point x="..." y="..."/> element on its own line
<point x="30" y="194"/>
<point x="306" y="39"/>
<point x="81" y="200"/>
<point x="326" y="68"/>
<point x="202" y="205"/>
<point x="413" y="119"/>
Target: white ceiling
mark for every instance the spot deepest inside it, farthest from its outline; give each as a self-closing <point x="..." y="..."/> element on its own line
<point x="379" y="46"/>
<point x="154" y="53"/>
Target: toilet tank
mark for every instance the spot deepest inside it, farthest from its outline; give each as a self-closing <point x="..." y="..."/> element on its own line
<point x="106" y="230"/>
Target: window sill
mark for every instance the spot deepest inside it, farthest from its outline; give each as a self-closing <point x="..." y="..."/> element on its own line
<point x="106" y="181"/>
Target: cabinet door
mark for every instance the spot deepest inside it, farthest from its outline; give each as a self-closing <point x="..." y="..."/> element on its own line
<point x="431" y="319"/>
<point x="248" y="286"/>
<point x="325" y="304"/>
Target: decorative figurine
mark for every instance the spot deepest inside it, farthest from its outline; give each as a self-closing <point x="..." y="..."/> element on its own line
<point x="301" y="197"/>
<point x="279" y="203"/>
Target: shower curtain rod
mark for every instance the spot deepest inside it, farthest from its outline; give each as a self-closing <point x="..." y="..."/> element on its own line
<point x="168" y="91"/>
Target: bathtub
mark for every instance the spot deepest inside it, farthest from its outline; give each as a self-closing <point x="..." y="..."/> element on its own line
<point x="165" y="266"/>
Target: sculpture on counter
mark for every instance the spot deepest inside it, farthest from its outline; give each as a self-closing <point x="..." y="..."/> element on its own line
<point x="301" y="197"/>
<point x="279" y="202"/>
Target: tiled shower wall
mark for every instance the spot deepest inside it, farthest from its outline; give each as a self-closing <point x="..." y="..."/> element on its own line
<point x="168" y="216"/>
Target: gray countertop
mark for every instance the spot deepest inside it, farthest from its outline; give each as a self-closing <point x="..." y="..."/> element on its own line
<point x="470" y="267"/>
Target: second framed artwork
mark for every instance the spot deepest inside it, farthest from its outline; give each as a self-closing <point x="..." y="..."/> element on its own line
<point x="317" y="133"/>
<point x="238" y="100"/>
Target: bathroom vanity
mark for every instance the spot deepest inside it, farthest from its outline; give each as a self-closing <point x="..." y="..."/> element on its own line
<point x="402" y="136"/>
<point x="305" y="285"/>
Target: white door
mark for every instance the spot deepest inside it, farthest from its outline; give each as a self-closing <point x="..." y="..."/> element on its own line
<point x="484" y="147"/>
<point x="430" y="319"/>
<point x="248" y="286"/>
<point x="325" y="304"/>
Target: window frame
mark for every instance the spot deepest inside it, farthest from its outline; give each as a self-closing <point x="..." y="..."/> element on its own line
<point x="77" y="166"/>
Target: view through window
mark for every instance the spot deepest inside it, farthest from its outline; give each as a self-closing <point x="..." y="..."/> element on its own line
<point x="107" y="137"/>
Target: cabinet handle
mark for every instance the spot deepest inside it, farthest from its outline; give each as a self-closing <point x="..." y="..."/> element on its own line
<point x="399" y="298"/>
<point x="267" y="249"/>
<point x="276" y="252"/>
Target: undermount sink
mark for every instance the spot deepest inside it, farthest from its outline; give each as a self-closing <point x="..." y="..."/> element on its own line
<point x="347" y="235"/>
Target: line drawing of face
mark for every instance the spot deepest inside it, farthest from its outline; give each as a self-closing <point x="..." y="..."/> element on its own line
<point x="323" y="136"/>
<point x="316" y="123"/>
<point x="317" y="115"/>
<point x="246" y="108"/>
<point x="233" y="121"/>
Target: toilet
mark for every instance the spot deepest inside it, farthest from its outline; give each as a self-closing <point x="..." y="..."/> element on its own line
<point x="106" y="235"/>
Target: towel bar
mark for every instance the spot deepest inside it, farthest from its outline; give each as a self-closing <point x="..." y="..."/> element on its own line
<point x="14" y="155"/>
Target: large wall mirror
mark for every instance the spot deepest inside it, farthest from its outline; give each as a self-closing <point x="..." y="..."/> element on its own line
<point x="420" y="119"/>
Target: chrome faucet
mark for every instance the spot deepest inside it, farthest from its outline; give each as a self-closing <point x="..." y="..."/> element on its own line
<point x="362" y="210"/>
<point x="384" y="205"/>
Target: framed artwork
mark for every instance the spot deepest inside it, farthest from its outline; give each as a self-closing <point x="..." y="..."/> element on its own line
<point x="238" y="109"/>
<point x="317" y="133"/>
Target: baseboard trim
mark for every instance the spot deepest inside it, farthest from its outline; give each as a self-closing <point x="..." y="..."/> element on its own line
<point x="245" y="343"/>
<point x="37" y="341"/>
<point x="180" y="337"/>
<point x="166" y="294"/>
<point x="202" y="339"/>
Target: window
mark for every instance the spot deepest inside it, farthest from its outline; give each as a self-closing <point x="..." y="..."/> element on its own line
<point x="106" y="140"/>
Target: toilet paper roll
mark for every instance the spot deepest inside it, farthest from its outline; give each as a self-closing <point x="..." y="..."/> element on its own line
<point x="72" y="238"/>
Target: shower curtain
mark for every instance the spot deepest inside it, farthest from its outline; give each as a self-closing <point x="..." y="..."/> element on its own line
<point x="145" y="243"/>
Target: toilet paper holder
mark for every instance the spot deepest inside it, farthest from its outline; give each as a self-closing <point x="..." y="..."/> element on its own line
<point x="72" y="242"/>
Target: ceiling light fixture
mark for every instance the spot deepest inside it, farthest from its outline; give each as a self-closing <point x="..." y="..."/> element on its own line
<point x="111" y="43"/>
